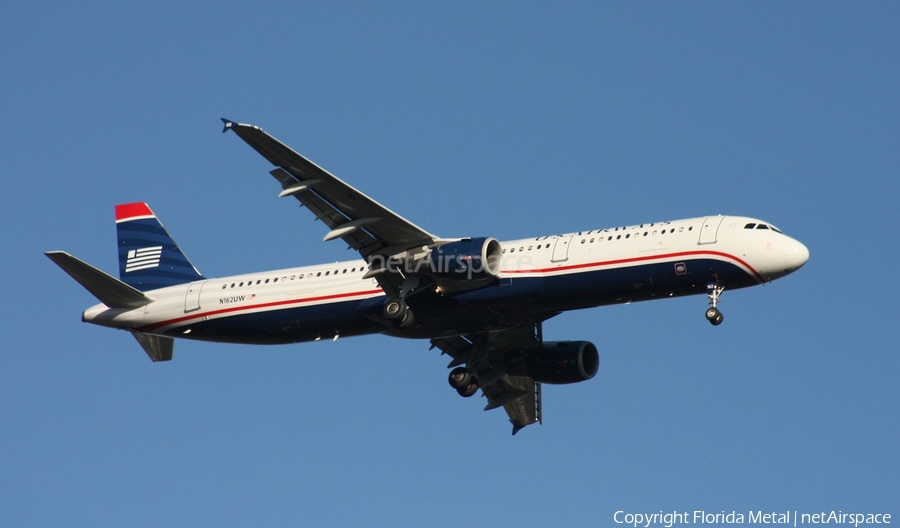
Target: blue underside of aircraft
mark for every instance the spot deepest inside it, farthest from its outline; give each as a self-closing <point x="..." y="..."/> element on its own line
<point x="522" y="300"/>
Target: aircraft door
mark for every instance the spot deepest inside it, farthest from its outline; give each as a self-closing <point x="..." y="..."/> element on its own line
<point x="710" y="229"/>
<point x="192" y="297"/>
<point x="561" y="249"/>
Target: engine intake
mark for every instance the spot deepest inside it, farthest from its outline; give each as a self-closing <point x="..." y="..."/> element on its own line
<point x="467" y="259"/>
<point x="561" y="362"/>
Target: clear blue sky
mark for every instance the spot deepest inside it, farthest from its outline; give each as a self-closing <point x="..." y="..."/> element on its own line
<point x="494" y="119"/>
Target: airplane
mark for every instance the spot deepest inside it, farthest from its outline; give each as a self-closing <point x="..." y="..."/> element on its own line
<point x="478" y="300"/>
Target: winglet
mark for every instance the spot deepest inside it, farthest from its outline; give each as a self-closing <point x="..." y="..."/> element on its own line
<point x="228" y="124"/>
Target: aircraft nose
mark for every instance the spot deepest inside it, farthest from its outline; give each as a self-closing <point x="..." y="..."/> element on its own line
<point x="796" y="256"/>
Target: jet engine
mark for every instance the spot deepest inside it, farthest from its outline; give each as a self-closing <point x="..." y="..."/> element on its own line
<point x="560" y="362"/>
<point x="467" y="259"/>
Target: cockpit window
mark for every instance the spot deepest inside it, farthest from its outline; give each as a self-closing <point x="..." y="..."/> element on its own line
<point x="754" y="225"/>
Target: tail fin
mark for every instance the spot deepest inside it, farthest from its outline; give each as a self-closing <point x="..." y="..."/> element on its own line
<point x="148" y="257"/>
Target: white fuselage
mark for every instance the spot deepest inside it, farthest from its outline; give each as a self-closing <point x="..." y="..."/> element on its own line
<point x="568" y="271"/>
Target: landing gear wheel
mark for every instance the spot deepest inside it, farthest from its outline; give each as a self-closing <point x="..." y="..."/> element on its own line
<point x="714" y="292"/>
<point x="407" y="321"/>
<point x="394" y="309"/>
<point x="714" y="316"/>
<point x="459" y="377"/>
<point x="468" y="390"/>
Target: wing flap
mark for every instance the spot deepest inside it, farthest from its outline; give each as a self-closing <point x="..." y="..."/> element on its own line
<point x="331" y="200"/>
<point x="322" y="210"/>
<point x="492" y="355"/>
<point x="519" y="397"/>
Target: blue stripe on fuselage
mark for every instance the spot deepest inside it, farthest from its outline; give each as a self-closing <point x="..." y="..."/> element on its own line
<point x="522" y="298"/>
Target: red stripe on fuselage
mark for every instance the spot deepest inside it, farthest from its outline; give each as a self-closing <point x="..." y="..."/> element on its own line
<point x="643" y="259"/>
<point x="150" y="328"/>
<point x="160" y="324"/>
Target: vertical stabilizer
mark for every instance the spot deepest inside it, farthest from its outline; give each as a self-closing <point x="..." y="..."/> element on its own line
<point x="148" y="257"/>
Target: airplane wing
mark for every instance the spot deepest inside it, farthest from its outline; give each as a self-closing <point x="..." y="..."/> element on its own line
<point x="373" y="230"/>
<point x="493" y="357"/>
<point x="364" y="224"/>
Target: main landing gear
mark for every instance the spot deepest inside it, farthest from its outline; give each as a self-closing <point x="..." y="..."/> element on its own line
<point x="714" y="292"/>
<point x="397" y="312"/>
<point x="462" y="380"/>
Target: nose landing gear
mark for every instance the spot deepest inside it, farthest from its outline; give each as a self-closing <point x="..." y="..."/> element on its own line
<point x="714" y="292"/>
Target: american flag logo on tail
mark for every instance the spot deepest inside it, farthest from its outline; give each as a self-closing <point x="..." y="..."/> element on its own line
<point x="143" y="258"/>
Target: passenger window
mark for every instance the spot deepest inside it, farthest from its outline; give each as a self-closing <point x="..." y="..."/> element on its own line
<point x="327" y="273"/>
<point x="618" y="237"/>
<point x="267" y="281"/>
<point x="241" y="285"/>
<point x="224" y="286"/>
<point x="680" y="229"/>
<point x="582" y="241"/>
<point x="529" y="248"/>
<point x="293" y="277"/>
<point x="319" y="274"/>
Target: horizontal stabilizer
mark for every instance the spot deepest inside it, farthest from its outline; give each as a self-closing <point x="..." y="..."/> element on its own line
<point x="159" y="348"/>
<point x="107" y="289"/>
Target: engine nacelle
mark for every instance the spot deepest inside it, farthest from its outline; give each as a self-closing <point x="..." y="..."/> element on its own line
<point x="560" y="362"/>
<point x="468" y="259"/>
